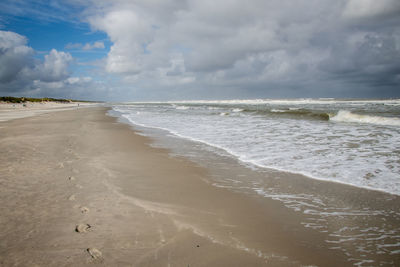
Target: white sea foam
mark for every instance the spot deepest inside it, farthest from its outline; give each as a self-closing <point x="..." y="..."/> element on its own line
<point x="303" y="101"/>
<point x="294" y="101"/>
<point x="182" y="107"/>
<point x="347" y="116"/>
<point x="351" y="150"/>
<point x="278" y="110"/>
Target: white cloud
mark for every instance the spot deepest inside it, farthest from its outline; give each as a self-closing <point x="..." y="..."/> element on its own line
<point x="54" y="67"/>
<point x="78" y="80"/>
<point x="87" y="46"/>
<point x="95" y="45"/>
<point x="371" y="8"/>
<point x="21" y="73"/>
<point x="11" y="39"/>
<point x="17" y="62"/>
<point x="130" y="31"/>
<point x="260" y="44"/>
<point x="73" y="46"/>
<point x="71" y="88"/>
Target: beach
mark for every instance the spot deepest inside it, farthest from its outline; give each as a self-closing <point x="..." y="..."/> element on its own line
<point x="10" y="111"/>
<point x="80" y="188"/>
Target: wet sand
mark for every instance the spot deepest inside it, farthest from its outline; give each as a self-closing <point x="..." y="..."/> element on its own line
<point x="79" y="188"/>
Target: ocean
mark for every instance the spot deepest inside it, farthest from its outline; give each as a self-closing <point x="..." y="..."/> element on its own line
<point x="355" y="142"/>
<point x="283" y="150"/>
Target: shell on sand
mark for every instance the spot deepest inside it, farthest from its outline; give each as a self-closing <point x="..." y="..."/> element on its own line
<point x="82" y="228"/>
<point x="95" y="253"/>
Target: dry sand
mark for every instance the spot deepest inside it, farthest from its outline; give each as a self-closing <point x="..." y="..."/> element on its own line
<point x="10" y="111"/>
<point x="78" y="188"/>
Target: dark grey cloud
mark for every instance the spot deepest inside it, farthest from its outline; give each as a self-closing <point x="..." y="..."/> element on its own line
<point x="374" y="60"/>
<point x="15" y="56"/>
<point x="168" y="49"/>
<point x="287" y="48"/>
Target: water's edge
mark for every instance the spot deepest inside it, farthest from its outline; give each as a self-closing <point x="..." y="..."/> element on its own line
<point x="366" y="219"/>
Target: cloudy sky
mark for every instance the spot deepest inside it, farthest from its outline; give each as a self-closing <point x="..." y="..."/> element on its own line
<point x="127" y="50"/>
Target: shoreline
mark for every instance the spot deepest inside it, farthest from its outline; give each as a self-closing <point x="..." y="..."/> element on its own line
<point x="249" y="165"/>
<point x="359" y="153"/>
<point x="145" y="207"/>
<point x="360" y="209"/>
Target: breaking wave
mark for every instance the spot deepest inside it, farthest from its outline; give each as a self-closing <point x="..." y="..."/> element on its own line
<point x="347" y="116"/>
<point x="293" y="113"/>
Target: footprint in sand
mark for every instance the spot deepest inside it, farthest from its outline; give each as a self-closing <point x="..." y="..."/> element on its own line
<point x="95" y="253"/>
<point x="71" y="198"/>
<point x="71" y="178"/>
<point x="82" y="228"/>
<point x="84" y="209"/>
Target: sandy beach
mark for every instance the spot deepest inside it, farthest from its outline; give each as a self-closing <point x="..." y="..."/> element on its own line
<point x="79" y="188"/>
<point x="10" y="111"/>
<point x="199" y="133"/>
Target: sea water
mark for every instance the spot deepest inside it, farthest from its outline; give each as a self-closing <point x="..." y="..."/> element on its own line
<point x="354" y="142"/>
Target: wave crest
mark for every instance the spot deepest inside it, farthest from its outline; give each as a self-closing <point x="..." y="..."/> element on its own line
<point x="347" y="116"/>
<point x="293" y="113"/>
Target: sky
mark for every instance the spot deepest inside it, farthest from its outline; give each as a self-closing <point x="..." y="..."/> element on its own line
<point x="155" y="50"/>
